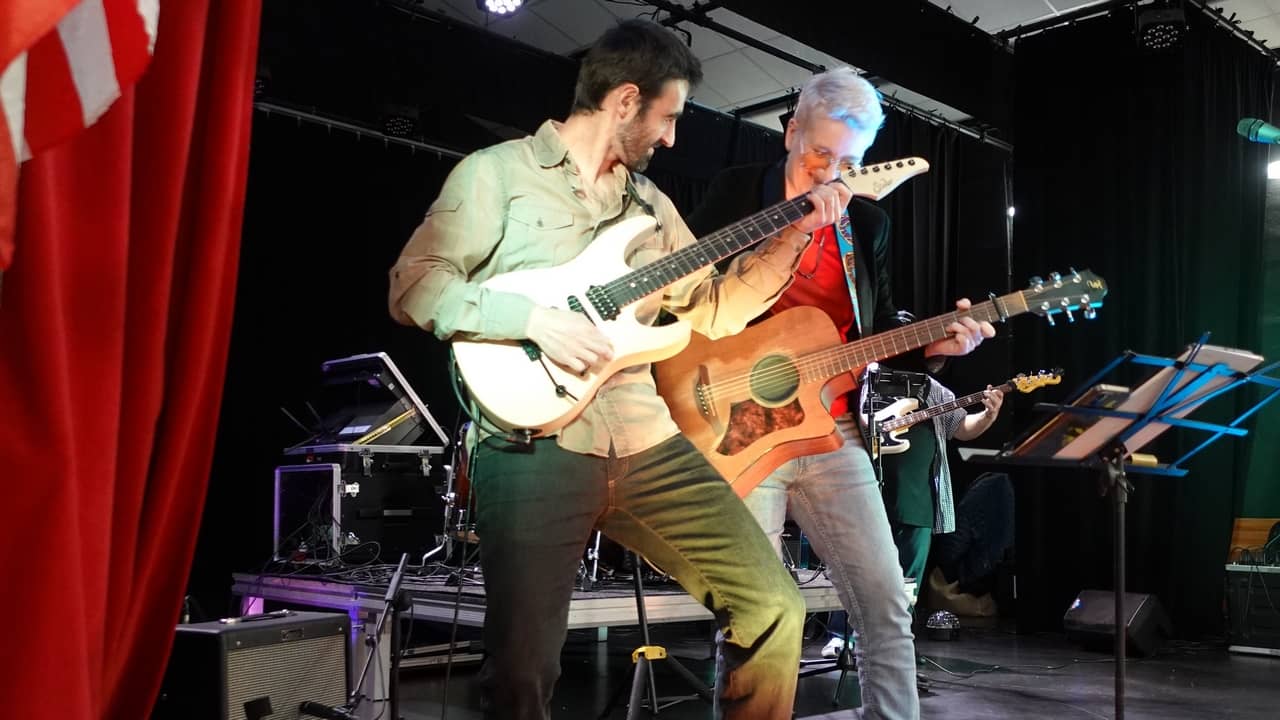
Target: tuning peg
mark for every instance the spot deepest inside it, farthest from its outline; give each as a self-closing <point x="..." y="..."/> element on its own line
<point x="1037" y="281"/>
<point x="1075" y="275"/>
<point x="1050" y="319"/>
<point x="1066" y="308"/>
<point x="1090" y="313"/>
<point x="1056" y="278"/>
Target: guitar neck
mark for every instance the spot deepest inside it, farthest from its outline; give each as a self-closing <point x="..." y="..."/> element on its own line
<point x="921" y="415"/>
<point x="826" y="364"/>
<point x="706" y="251"/>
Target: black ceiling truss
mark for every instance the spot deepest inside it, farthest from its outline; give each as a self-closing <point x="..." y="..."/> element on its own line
<point x="1214" y="13"/>
<point x="697" y="14"/>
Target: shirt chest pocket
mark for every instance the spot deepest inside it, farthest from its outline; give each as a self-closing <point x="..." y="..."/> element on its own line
<point x="540" y="236"/>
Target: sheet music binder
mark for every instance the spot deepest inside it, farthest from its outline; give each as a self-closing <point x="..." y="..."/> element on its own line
<point x="1179" y="386"/>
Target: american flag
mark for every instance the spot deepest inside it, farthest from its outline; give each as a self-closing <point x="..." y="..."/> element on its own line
<point x="62" y="64"/>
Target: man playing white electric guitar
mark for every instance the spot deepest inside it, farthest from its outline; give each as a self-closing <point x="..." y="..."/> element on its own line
<point x="621" y="464"/>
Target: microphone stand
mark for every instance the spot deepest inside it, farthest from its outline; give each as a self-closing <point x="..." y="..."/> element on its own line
<point x="871" y="430"/>
<point x="392" y="603"/>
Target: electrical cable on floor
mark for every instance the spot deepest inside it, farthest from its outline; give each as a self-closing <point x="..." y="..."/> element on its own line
<point x="1017" y="669"/>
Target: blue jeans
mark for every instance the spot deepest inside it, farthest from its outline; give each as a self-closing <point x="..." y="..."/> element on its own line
<point x="536" y="508"/>
<point x="835" y="500"/>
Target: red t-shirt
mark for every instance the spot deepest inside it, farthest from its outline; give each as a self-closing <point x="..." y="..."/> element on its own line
<point x="827" y="290"/>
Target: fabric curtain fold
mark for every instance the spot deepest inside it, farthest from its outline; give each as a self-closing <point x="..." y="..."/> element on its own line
<point x="113" y="344"/>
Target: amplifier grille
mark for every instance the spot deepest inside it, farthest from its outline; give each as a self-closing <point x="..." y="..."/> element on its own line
<point x="288" y="673"/>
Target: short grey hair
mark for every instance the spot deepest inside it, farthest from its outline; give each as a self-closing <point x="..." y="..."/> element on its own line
<point x="841" y="94"/>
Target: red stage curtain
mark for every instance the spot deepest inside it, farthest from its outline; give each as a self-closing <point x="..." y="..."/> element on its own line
<point x="114" y="324"/>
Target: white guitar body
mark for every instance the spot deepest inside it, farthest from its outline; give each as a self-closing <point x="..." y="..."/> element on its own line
<point x="519" y="392"/>
<point x="892" y="442"/>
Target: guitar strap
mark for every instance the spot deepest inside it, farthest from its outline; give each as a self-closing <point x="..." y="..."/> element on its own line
<point x="635" y="197"/>
<point x="772" y="188"/>
<point x="844" y="238"/>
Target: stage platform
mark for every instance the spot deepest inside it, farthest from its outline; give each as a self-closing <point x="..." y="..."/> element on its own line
<point x="433" y="598"/>
<point x="611" y="604"/>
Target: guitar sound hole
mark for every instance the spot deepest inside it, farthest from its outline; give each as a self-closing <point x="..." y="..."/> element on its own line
<point x="774" y="380"/>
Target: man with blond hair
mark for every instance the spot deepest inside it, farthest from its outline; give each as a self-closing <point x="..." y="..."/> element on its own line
<point x="834" y="497"/>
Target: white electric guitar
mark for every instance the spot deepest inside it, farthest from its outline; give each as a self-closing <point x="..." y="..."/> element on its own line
<point x="896" y="418"/>
<point x="518" y="388"/>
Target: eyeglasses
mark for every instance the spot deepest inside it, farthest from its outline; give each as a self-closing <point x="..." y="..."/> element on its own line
<point x="817" y="158"/>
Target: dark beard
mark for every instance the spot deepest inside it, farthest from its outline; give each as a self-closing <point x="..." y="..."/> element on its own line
<point x="635" y="153"/>
<point x="639" y="164"/>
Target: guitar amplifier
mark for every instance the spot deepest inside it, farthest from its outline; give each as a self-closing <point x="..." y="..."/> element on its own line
<point x="256" y="667"/>
<point x="1253" y="609"/>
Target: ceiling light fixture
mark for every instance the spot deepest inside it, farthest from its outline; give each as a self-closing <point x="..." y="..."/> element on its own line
<point x="499" y="7"/>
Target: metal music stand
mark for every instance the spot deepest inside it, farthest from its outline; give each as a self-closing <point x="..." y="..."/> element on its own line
<point x="1106" y="439"/>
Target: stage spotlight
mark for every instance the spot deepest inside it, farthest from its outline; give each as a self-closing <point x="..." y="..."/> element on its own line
<point x="400" y="121"/>
<point x="499" y="7"/>
<point x="1161" y="28"/>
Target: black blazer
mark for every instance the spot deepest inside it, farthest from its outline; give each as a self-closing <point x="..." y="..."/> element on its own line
<point x="741" y="191"/>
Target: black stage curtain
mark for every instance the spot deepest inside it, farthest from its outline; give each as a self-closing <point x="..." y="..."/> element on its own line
<point x="1128" y="164"/>
<point x="950" y="234"/>
<point x="328" y="211"/>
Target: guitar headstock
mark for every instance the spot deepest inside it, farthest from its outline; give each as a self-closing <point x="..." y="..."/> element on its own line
<point x="1027" y="383"/>
<point x="877" y="181"/>
<point x="1079" y="291"/>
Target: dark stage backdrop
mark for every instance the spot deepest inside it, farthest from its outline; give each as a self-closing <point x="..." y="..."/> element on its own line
<point x="328" y="212"/>
<point x="1262" y="485"/>
<point x="950" y="235"/>
<point x="1128" y="163"/>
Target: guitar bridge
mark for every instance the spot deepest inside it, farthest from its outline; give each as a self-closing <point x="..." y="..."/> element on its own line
<point x="703" y="393"/>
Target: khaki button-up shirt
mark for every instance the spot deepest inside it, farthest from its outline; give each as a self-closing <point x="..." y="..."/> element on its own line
<point x="521" y="204"/>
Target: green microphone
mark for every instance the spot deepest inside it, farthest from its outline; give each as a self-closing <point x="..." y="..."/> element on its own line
<point x="1258" y="131"/>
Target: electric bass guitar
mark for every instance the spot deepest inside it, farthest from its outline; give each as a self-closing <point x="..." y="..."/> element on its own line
<point x="893" y="420"/>
<point x="520" y="389"/>
<point x="752" y="401"/>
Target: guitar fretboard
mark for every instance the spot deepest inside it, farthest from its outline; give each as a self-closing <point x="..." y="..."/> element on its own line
<point x="946" y="407"/>
<point x="713" y="248"/>
<point x="829" y="363"/>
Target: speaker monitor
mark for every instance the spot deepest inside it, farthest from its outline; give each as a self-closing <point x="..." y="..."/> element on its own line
<point x="1090" y="621"/>
<point x="255" y="669"/>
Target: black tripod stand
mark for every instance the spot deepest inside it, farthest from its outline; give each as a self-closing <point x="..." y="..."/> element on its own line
<point x="844" y="662"/>
<point x="393" y="604"/>
<point x="643" y="657"/>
